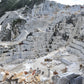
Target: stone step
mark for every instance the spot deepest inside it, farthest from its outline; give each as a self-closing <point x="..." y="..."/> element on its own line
<point x="66" y="61"/>
<point x="75" y="51"/>
<point x="78" y="43"/>
<point x="78" y="47"/>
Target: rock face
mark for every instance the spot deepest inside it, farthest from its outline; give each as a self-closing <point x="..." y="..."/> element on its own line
<point x="6" y="35"/>
<point x="50" y="26"/>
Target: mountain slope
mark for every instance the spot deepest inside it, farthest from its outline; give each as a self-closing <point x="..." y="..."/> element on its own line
<point x="9" y="5"/>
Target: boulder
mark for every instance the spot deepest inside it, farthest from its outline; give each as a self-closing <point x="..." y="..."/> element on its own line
<point x="2" y="74"/>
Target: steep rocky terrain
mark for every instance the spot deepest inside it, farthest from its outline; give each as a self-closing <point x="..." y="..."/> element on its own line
<point x="50" y="25"/>
<point x="48" y="36"/>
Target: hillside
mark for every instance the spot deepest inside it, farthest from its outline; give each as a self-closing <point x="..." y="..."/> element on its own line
<point x="10" y="5"/>
<point x="47" y="35"/>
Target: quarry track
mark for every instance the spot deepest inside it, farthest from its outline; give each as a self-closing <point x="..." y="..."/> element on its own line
<point x="17" y="68"/>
